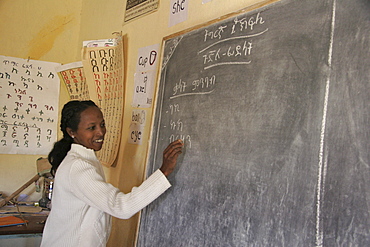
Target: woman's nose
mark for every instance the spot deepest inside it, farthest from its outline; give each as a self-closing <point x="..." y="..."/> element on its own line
<point x="101" y="131"/>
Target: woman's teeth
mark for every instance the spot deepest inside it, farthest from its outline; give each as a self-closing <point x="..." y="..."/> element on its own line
<point x="100" y="140"/>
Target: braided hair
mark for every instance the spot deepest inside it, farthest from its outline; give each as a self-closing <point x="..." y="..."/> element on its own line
<point x="70" y="118"/>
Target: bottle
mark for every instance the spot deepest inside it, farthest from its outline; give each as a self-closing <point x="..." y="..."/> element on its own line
<point x="47" y="193"/>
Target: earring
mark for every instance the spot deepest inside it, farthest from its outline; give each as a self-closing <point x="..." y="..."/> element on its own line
<point x="73" y="136"/>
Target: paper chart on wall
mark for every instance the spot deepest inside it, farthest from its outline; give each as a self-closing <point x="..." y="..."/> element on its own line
<point x="144" y="77"/>
<point x="103" y="67"/>
<point x="29" y="98"/>
<point x="136" y="8"/>
<point x="73" y="76"/>
<point x="138" y="119"/>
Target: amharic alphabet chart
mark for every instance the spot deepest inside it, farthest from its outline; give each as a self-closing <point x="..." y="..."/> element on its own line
<point x="29" y="93"/>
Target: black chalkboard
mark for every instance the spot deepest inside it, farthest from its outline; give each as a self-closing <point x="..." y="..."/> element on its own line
<point x="345" y="215"/>
<point x="273" y="107"/>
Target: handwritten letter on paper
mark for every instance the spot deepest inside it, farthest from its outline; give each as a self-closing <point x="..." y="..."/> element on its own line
<point x="29" y="97"/>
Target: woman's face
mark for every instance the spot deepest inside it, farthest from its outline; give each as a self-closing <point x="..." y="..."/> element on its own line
<point x="91" y="129"/>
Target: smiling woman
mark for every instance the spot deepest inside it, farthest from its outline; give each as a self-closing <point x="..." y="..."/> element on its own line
<point x="91" y="129"/>
<point x="71" y="119"/>
<point x="83" y="202"/>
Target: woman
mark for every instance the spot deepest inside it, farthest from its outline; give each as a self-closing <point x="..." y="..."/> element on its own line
<point x="82" y="202"/>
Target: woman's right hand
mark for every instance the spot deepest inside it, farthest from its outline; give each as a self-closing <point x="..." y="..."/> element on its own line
<point x="170" y="155"/>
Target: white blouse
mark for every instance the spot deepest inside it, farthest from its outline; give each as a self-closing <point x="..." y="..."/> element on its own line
<point x="83" y="202"/>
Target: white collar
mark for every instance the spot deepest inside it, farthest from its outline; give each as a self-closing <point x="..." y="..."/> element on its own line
<point x="84" y="152"/>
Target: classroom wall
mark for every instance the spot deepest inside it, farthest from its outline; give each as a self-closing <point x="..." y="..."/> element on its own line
<point x="38" y="30"/>
<point x="53" y="31"/>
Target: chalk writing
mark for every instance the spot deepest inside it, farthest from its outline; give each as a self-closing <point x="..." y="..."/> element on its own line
<point x="203" y="85"/>
<point x="227" y="44"/>
<point x="239" y="42"/>
<point x="172" y="49"/>
<point x="177" y="126"/>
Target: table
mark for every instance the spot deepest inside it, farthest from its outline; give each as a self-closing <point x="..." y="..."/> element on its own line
<point x="35" y="225"/>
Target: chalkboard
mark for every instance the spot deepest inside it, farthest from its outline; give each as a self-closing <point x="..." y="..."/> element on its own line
<point x="346" y="196"/>
<point x="273" y="107"/>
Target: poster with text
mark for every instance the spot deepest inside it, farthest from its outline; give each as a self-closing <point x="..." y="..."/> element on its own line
<point x="136" y="8"/>
<point x="143" y="89"/>
<point x="178" y="12"/>
<point x="144" y="77"/>
<point x="29" y="98"/>
<point x="138" y="119"/>
<point x="73" y="76"/>
<point x="104" y="67"/>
